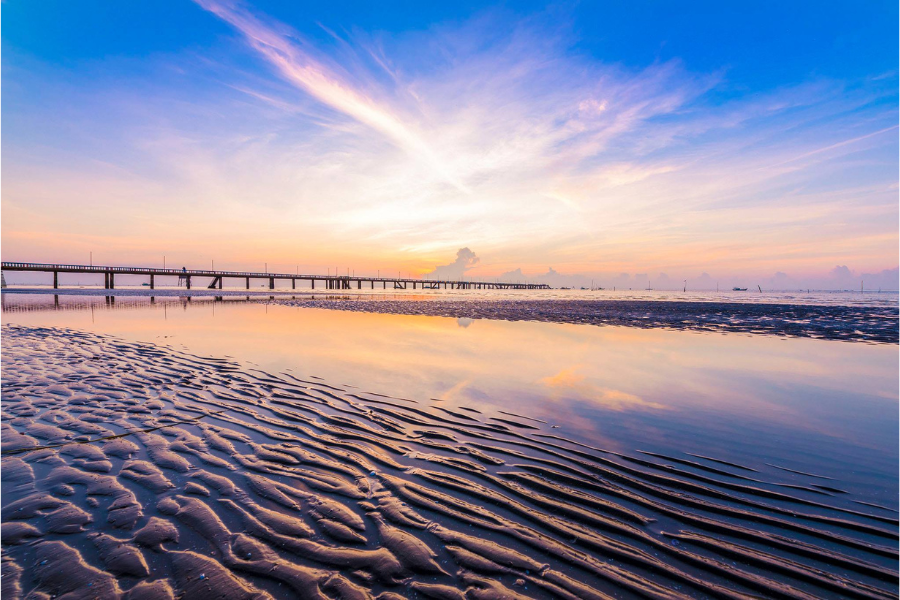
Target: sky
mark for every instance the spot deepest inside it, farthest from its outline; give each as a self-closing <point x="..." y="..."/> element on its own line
<point x="737" y="143"/>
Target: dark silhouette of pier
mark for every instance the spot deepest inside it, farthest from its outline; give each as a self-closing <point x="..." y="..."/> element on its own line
<point x="328" y="282"/>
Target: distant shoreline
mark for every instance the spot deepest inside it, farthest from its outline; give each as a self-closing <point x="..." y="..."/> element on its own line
<point x="870" y="324"/>
<point x="857" y="323"/>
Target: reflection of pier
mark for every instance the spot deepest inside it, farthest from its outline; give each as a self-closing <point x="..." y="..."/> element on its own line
<point x="23" y="303"/>
<point x="330" y="282"/>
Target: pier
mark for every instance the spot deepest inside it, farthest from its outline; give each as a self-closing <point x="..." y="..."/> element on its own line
<point x="215" y="278"/>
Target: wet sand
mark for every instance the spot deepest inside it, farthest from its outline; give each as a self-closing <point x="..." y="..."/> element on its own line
<point x="847" y="323"/>
<point x="133" y="470"/>
<point x="878" y="324"/>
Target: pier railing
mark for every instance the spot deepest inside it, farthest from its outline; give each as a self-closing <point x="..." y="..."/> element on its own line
<point x="331" y="282"/>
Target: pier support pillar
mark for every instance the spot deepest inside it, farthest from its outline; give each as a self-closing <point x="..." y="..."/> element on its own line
<point x="152" y="281"/>
<point x="359" y="284"/>
<point x="313" y="284"/>
<point x="248" y="283"/>
<point x="220" y="283"/>
<point x="373" y="284"/>
<point x="112" y="281"/>
<point x="384" y="285"/>
<point x="293" y="284"/>
<point x="55" y="280"/>
<point x="414" y="285"/>
<point x="105" y="280"/>
<point x="271" y="283"/>
<point x="187" y="282"/>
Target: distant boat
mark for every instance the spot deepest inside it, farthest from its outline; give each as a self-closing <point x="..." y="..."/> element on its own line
<point x="737" y="289"/>
<point x="146" y="284"/>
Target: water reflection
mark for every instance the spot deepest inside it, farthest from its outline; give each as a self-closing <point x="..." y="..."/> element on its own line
<point x="818" y="406"/>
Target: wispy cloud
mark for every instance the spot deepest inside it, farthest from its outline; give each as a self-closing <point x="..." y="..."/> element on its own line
<point x="304" y="71"/>
<point x="494" y="134"/>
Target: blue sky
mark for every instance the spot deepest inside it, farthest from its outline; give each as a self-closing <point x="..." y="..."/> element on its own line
<point x="605" y="140"/>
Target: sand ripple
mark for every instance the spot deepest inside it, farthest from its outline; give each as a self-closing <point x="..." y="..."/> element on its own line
<point x="131" y="470"/>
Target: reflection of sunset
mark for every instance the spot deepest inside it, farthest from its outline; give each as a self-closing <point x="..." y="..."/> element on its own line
<point x="572" y="384"/>
<point x="606" y="383"/>
<point x="454" y="392"/>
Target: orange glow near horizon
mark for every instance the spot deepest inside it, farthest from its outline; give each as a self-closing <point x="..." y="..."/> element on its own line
<point x="268" y="147"/>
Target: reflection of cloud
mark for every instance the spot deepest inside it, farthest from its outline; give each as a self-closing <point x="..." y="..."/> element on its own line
<point x="565" y="378"/>
<point x="455" y="390"/>
<point x="569" y="382"/>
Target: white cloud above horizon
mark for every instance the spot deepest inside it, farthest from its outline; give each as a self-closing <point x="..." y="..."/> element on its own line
<point x="395" y="153"/>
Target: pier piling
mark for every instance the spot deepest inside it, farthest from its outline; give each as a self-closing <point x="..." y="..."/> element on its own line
<point x="332" y="282"/>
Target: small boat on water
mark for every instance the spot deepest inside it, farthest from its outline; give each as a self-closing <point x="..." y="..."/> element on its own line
<point x="737" y="289"/>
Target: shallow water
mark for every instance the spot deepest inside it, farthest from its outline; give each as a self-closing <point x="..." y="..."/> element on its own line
<point x="804" y="297"/>
<point x="824" y="409"/>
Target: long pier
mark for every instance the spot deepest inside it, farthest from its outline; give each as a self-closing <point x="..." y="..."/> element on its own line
<point x="328" y="282"/>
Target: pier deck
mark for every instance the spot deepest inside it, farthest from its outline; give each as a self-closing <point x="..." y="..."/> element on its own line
<point x="329" y="282"/>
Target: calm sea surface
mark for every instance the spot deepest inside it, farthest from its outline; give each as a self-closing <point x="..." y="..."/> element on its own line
<point x="813" y="297"/>
<point x="823" y="407"/>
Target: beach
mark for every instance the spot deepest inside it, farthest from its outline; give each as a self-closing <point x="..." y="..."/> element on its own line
<point x="143" y="469"/>
<point x="449" y="301"/>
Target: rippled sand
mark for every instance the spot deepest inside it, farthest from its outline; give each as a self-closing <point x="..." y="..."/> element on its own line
<point x="132" y="470"/>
